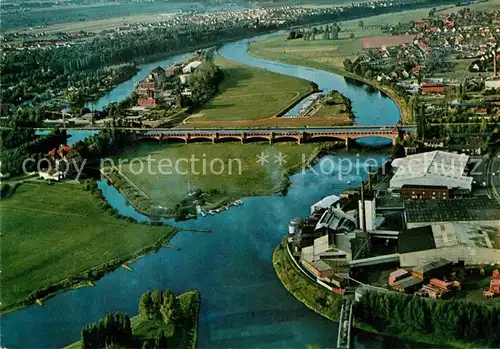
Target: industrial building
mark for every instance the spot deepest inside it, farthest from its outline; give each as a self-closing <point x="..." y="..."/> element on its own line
<point x="436" y="168"/>
<point x="459" y="230"/>
<point x="428" y="192"/>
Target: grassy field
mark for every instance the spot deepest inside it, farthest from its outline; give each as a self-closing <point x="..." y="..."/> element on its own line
<point x="326" y="55"/>
<point x="185" y="332"/>
<point x="50" y="233"/>
<point x="331" y="52"/>
<point x="241" y="175"/>
<point x="249" y="94"/>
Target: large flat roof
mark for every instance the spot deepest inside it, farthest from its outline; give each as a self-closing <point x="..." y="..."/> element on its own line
<point x="484" y="234"/>
<point x="416" y="239"/>
<point x="453" y="210"/>
<point x="435" y="168"/>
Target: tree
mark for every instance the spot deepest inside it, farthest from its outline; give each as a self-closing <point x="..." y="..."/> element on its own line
<point x="161" y="341"/>
<point x="398" y="151"/>
<point x="169" y="307"/>
<point x="484" y="126"/>
<point x="361" y="24"/>
<point x="146" y="305"/>
<point x="352" y="36"/>
<point x="348" y="65"/>
<point x="157" y="299"/>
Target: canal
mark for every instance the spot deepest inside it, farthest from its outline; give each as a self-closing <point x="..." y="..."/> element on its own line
<point x="243" y="303"/>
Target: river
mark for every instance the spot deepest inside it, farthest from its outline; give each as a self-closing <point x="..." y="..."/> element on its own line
<point x="243" y="303"/>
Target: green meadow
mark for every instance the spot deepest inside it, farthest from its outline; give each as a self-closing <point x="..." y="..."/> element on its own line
<point x="53" y="232"/>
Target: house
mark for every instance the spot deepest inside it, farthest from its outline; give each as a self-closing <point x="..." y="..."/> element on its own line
<point x="183" y="78"/>
<point x="416" y="69"/>
<point x="149" y="102"/>
<point x="159" y="75"/>
<point x="189" y="68"/>
<point x="422" y="46"/>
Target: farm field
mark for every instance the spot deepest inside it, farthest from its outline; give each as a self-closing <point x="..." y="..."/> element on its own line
<point x="94" y="17"/>
<point x="324" y="54"/>
<point x="248" y="94"/>
<point x="242" y="175"/>
<point x="64" y="233"/>
<point x="184" y="335"/>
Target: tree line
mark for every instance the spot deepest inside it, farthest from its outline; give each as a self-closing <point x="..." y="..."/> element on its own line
<point x="115" y="330"/>
<point x="448" y="320"/>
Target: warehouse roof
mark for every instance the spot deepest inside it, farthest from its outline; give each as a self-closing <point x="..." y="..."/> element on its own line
<point x="416" y="239"/>
<point x="484" y="234"/>
<point x="454" y="210"/>
<point x="325" y="203"/>
<point x="432" y="168"/>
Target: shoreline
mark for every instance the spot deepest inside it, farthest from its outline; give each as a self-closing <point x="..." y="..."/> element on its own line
<point x="87" y="278"/>
<point x="195" y="312"/>
<point x="324" y="149"/>
<point x="404" y="109"/>
<point x="89" y="281"/>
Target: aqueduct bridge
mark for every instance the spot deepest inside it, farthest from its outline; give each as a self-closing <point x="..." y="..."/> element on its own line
<point x="274" y="135"/>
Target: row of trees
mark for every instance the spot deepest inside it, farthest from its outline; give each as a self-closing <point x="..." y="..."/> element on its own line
<point x="112" y="331"/>
<point x="328" y="32"/>
<point x="204" y="81"/>
<point x="448" y="320"/>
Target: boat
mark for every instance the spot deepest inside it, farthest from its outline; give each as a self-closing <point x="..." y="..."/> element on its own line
<point x="349" y="182"/>
<point x="203" y="214"/>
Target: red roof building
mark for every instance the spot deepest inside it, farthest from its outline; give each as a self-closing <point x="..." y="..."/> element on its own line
<point x="432" y="88"/>
<point x="424" y="47"/>
<point x="147" y="85"/>
<point x="63" y="151"/>
<point x="148" y="102"/>
<point x="420" y="24"/>
<point x="433" y="30"/>
<point x="495" y="286"/>
<point x="416" y="69"/>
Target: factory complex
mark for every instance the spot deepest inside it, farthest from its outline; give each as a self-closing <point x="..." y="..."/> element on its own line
<point x="426" y="224"/>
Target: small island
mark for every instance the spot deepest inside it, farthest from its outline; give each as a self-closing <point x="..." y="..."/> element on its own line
<point x="164" y="321"/>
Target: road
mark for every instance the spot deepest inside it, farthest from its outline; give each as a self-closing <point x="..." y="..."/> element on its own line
<point x="493" y="172"/>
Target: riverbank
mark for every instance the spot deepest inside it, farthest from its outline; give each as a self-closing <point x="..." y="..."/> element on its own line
<point x="249" y="96"/>
<point x="276" y="49"/>
<point x="181" y="336"/>
<point x="69" y="239"/>
<point x="327" y="304"/>
<point x="209" y="176"/>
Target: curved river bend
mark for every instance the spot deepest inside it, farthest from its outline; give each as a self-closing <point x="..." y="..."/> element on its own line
<point x="243" y="303"/>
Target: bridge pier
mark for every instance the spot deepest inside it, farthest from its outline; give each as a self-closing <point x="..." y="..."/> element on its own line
<point x="348" y="143"/>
